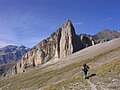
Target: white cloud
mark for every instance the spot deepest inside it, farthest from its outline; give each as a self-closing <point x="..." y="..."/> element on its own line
<point x="78" y="23"/>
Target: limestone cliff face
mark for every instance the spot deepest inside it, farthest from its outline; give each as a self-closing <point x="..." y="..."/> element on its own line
<point x="68" y="40"/>
<point x="60" y="44"/>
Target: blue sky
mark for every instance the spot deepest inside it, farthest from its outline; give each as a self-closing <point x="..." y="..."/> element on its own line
<point x="27" y="22"/>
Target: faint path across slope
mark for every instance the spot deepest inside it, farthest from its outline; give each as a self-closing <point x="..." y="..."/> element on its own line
<point x="93" y="86"/>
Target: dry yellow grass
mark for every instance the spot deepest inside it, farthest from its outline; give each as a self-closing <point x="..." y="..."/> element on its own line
<point x="36" y="78"/>
<point x="112" y="67"/>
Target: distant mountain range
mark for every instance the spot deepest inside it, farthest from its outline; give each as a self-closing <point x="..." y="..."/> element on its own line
<point x="12" y="53"/>
<point x="106" y="35"/>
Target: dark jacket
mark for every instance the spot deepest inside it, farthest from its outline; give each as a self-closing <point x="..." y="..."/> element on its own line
<point x="85" y="68"/>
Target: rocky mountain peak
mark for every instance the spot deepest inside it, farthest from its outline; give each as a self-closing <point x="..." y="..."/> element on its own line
<point x="68" y="22"/>
<point x="68" y="27"/>
<point x="59" y="45"/>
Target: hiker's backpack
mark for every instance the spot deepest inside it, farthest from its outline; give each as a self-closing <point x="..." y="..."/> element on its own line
<point x="86" y="68"/>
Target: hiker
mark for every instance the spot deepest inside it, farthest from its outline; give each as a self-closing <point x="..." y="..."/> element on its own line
<point x="85" y="70"/>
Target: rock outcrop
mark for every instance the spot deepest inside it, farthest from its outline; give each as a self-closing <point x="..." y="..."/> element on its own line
<point x="87" y="40"/>
<point x="60" y="44"/>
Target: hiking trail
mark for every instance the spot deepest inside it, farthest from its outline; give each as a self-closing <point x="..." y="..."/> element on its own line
<point x="93" y="86"/>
